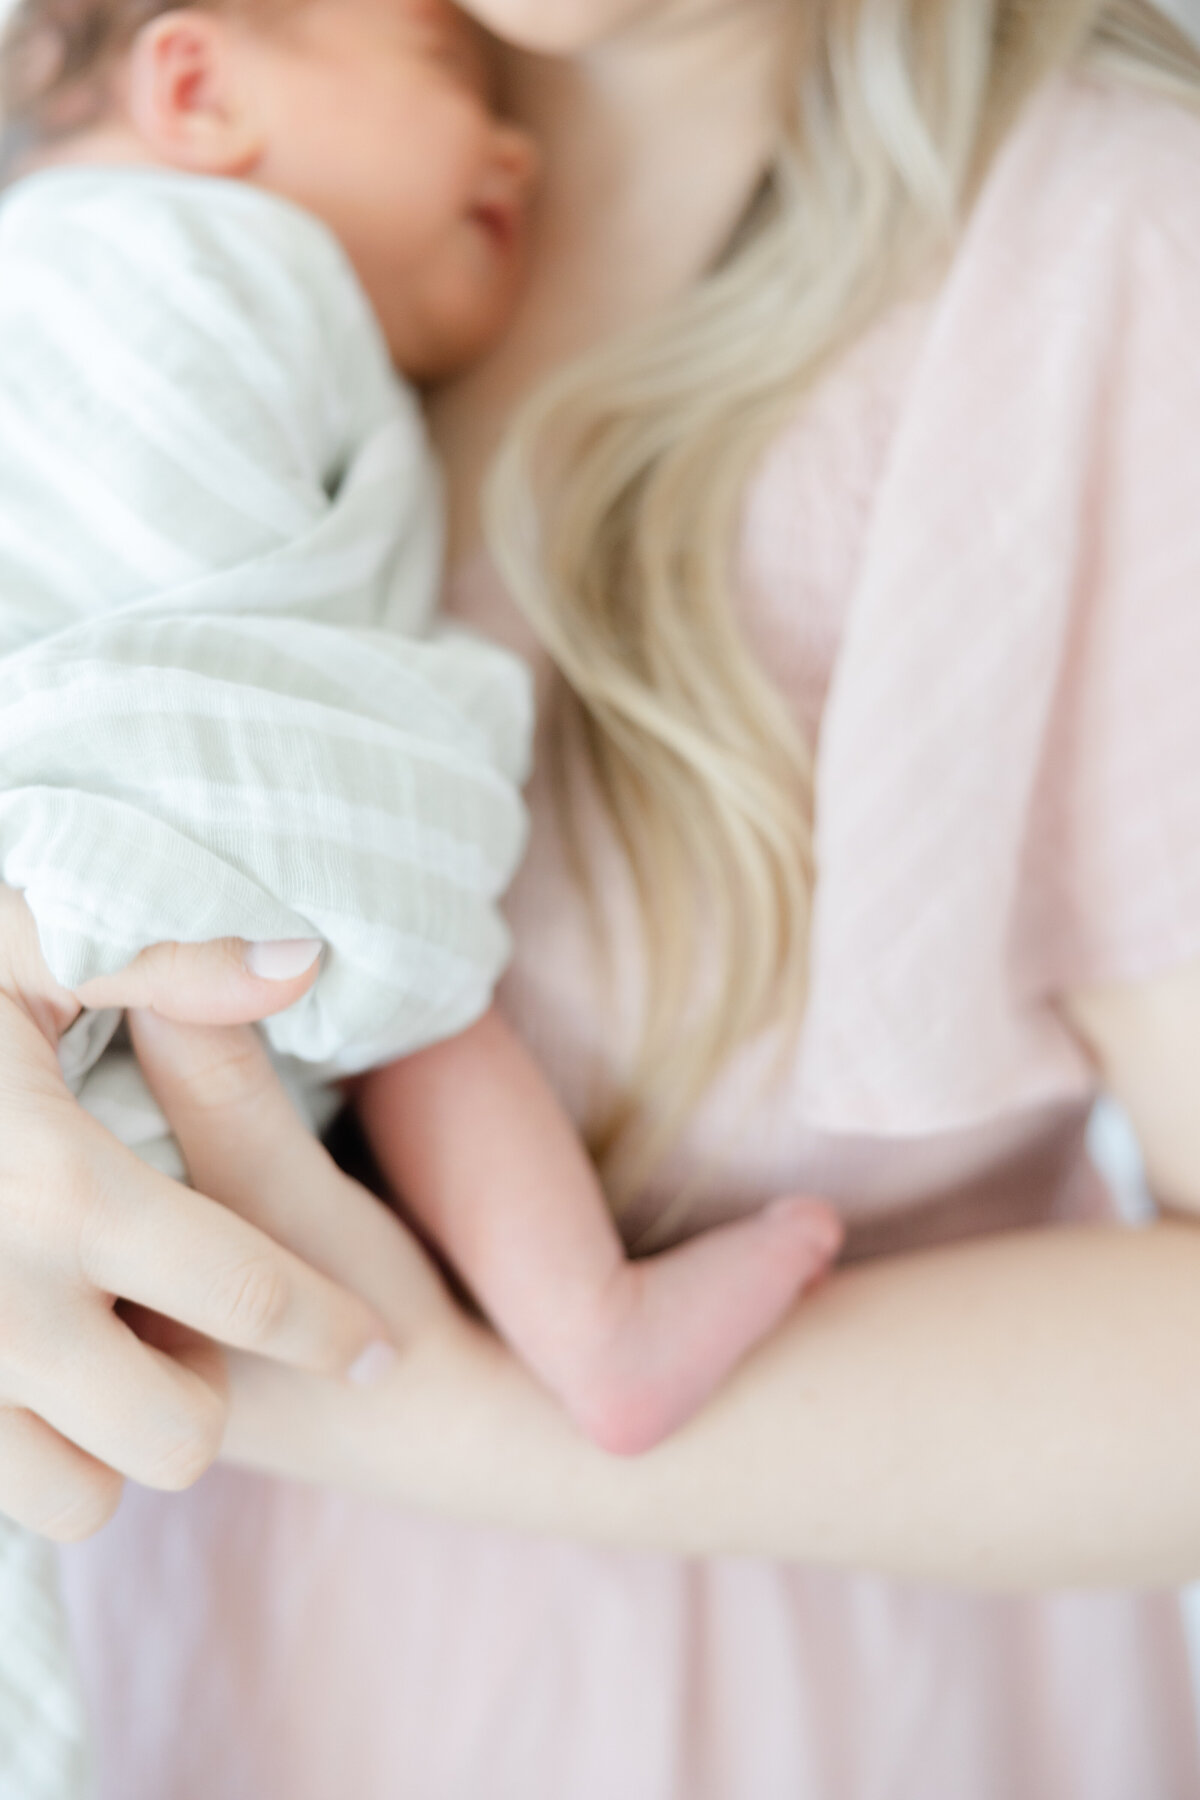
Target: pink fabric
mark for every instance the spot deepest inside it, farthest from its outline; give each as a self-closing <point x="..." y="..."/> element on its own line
<point x="1030" y="573"/>
<point x="971" y="562"/>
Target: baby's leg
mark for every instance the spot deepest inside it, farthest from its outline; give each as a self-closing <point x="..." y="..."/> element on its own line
<point x="672" y="1327"/>
<point x="472" y="1139"/>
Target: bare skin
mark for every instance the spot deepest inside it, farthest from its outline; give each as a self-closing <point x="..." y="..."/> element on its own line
<point x="671" y="118"/>
<point x="84" y="1401"/>
<point x="470" y="1136"/>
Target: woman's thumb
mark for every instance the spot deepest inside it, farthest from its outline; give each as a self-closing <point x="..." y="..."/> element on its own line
<point x="224" y="982"/>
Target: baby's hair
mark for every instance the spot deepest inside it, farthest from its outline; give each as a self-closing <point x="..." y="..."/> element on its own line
<point x="56" y="61"/>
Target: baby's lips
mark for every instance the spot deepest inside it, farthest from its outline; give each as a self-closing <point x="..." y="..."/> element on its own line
<point x="503" y="221"/>
<point x="500" y="228"/>
<point x="501" y="205"/>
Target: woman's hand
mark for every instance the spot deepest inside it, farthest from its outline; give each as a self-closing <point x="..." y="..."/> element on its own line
<point x="459" y="1426"/>
<point x="84" y="1399"/>
<point x="242" y="1140"/>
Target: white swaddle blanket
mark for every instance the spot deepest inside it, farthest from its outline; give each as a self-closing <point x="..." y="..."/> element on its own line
<point x="225" y="706"/>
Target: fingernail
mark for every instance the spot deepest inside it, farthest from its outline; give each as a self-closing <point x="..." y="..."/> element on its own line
<point x="282" y="960"/>
<point x="374" y="1363"/>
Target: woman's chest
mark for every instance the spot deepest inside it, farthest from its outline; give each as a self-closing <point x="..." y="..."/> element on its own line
<point x="804" y="530"/>
<point x="576" y="994"/>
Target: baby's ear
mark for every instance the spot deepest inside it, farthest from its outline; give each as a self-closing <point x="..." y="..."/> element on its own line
<point x="186" y="97"/>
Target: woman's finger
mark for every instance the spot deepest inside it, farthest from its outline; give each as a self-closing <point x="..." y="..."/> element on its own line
<point x="49" y="1485"/>
<point x="144" y="1238"/>
<point x="225" y="982"/>
<point x="152" y="1417"/>
<point x="233" y="1120"/>
<point x="244" y="1144"/>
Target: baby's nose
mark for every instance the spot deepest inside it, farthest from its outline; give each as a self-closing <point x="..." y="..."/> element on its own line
<point x="517" y="155"/>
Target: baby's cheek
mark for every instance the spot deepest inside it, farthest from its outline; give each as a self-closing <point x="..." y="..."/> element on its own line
<point x="464" y="312"/>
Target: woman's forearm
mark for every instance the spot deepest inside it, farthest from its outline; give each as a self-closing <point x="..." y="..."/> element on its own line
<point x="1023" y="1411"/>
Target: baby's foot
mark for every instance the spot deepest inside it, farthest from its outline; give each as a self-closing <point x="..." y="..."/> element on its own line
<point x="673" y="1326"/>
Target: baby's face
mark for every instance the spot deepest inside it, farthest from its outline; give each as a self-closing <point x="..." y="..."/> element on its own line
<point x="378" y="119"/>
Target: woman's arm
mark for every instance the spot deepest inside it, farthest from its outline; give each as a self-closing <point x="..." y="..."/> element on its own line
<point x="1023" y="1411"/>
<point x="1145" y="1039"/>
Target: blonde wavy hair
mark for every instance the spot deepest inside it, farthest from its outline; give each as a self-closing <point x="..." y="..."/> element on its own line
<point x="613" y="506"/>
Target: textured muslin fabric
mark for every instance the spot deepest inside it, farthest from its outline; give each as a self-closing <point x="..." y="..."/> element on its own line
<point x="44" y="1749"/>
<point x="261" y="1641"/>
<point x="226" y="708"/>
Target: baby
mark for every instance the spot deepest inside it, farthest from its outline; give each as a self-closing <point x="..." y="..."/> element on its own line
<point x="228" y="709"/>
<point x="226" y="705"/>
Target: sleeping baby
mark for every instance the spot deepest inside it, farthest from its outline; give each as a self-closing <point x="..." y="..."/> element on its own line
<point x="228" y="707"/>
<point x="232" y="238"/>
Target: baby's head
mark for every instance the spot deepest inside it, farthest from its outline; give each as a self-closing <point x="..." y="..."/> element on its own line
<point x="374" y="115"/>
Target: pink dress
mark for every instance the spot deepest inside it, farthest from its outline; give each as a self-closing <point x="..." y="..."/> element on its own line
<point x="973" y="563"/>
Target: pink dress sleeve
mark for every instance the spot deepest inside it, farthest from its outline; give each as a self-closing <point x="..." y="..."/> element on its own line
<point x="1111" y="878"/>
<point x="1009" y="771"/>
